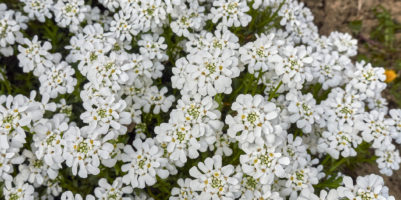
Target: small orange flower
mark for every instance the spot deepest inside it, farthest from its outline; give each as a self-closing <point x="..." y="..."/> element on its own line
<point x="390" y="75"/>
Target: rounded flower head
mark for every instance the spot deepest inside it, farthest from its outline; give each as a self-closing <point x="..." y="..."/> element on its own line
<point x="205" y="73"/>
<point x="388" y="159"/>
<point x="57" y="80"/>
<point x="396" y="130"/>
<point x="70" y="13"/>
<point x="39" y="9"/>
<point x="104" y="115"/>
<point x="367" y="80"/>
<point x="232" y="13"/>
<point x="295" y="66"/>
<point x="339" y="140"/>
<point x="375" y="128"/>
<point x="367" y="187"/>
<point x="263" y="163"/>
<point x="18" y="190"/>
<point x="82" y="154"/>
<point x="143" y="163"/>
<point x="115" y="191"/>
<point x="184" y="191"/>
<point x="213" y="180"/>
<point x="34" y="56"/>
<point x="302" y="110"/>
<point x="17" y="113"/>
<point x="261" y="54"/>
<point x="340" y="107"/>
<point x="252" y="124"/>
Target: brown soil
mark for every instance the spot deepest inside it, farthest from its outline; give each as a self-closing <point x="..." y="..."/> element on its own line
<point x="335" y="15"/>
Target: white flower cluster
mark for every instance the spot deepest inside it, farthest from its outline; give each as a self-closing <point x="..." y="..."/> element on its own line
<point x="257" y="116"/>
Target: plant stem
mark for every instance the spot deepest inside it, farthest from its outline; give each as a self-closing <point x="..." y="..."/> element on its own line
<point x="272" y="94"/>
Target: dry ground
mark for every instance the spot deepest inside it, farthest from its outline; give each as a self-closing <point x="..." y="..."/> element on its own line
<point x="331" y="15"/>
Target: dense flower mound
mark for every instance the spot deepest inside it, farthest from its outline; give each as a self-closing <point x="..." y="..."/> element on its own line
<point x="187" y="99"/>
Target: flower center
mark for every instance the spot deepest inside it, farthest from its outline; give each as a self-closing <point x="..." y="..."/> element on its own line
<point x="211" y="67"/>
<point x="83" y="147"/>
<point x="252" y="117"/>
<point x="194" y="112"/>
<point x="216" y="182"/>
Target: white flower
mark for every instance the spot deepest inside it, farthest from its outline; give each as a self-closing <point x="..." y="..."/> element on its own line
<point x="378" y="103"/>
<point x="9" y="158"/>
<point x="151" y="14"/>
<point x="340" y="107"/>
<point x="114" y="191"/>
<point x="111" y="4"/>
<point x="153" y="47"/>
<point x="388" y="159"/>
<point x="82" y="154"/>
<point x="299" y="178"/>
<point x="91" y="93"/>
<point x="324" y="195"/>
<point x="109" y="71"/>
<point x="141" y="195"/>
<point x="252" y="124"/>
<point x="184" y="191"/>
<point x="214" y="181"/>
<point x="37" y="170"/>
<point x="375" y="128"/>
<point x="19" y="190"/>
<point x="343" y="43"/>
<point x="48" y="140"/>
<point x="303" y="110"/>
<point x="367" y="187"/>
<point x="39" y="9"/>
<point x="123" y="26"/>
<point x="158" y="100"/>
<point x="232" y="13"/>
<point x="297" y="20"/>
<point x="295" y="66"/>
<point x="70" y="13"/>
<point x="328" y="68"/>
<point x="205" y="73"/>
<point x="57" y="79"/>
<point x="68" y="195"/>
<point x="263" y="163"/>
<point x="53" y="189"/>
<point x="294" y="149"/>
<point x="143" y="164"/>
<point x="201" y="113"/>
<point x="251" y="188"/>
<point x="89" y="46"/>
<point x="222" y="145"/>
<point x="35" y="57"/>
<point x="103" y="115"/>
<point x="142" y="66"/>
<point x="396" y="130"/>
<point x="187" y="19"/>
<point x="181" y="140"/>
<point x="222" y="40"/>
<point x="15" y="114"/>
<point x="273" y="82"/>
<point x="115" y="154"/>
<point x="367" y="80"/>
<point x="341" y="139"/>
<point x="10" y="25"/>
<point x="261" y="54"/>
